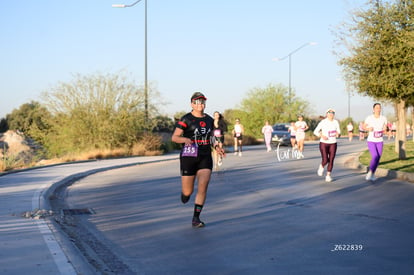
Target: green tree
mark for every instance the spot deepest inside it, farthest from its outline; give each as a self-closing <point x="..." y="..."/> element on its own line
<point x="28" y="117"/>
<point x="3" y="125"/>
<point x="94" y="112"/>
<point x="270" y="103"/>
<point x="163" y="124"/>
<point x="380" y="63"/>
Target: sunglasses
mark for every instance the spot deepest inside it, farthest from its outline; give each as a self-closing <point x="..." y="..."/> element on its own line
<point x="199" y="101"/>
<point x="330" y="112"/>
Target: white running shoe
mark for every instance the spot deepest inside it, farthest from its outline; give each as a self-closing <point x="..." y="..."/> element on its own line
<point x="320" y="170"/>
<point x="240" y="154"/>
<point x="369" y="175"/>
<point x="235" y="153"/>
<point x="328" y="178"/>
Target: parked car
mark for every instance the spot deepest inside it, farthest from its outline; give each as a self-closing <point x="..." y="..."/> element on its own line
<point x="281" y="134"/>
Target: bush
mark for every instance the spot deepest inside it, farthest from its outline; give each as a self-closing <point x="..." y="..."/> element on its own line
<point x="148" y="145"/>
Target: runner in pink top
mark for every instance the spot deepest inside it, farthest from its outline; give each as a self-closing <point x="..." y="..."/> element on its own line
<point x="267" y="132"/>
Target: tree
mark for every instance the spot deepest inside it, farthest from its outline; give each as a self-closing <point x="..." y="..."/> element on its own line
<point x="3" y="125"/>
<point x="270" y="103"/>
<point x="94" y="112"/>
<point x="28" y="117"/>
<point x="380" y="63"/>
<point x="163" y="124"/>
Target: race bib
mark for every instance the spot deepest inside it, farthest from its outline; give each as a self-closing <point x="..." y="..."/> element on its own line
<point x="378" y="134"/>
<point x="238" y="134"/>
<point x="217" y="133"/>
<point x="332" y="133"/>
<point x="190" y="150"/>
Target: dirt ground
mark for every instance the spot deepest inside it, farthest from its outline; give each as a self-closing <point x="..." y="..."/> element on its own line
<point x="15" y="149"/>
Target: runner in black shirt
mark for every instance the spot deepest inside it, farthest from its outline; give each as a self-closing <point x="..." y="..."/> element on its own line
<point x="194" y="130"/>
<point x="219" y="129"/>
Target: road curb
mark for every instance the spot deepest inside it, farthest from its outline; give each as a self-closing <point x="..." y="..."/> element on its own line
<point x="353" y="163"/>
<point x="61" y="238"/>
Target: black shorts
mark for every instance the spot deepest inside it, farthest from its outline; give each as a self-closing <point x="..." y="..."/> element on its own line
<point x="190" y="165"/>
<point x="240" y="137"/>
<point x="218" y="139"/>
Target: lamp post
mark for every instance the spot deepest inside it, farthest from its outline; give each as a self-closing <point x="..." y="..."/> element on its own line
<point x="146" y="57"/>
<point x="290" y="62"/>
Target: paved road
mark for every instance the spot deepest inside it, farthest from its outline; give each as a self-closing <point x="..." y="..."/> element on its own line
<point x="263" y="216"/>
<point x="35" y="246"/>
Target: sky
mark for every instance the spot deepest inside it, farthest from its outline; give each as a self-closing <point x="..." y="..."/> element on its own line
<point x="221" y="48"/>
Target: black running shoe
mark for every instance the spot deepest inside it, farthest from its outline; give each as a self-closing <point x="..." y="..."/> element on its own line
<point x="197" y="223"/>
<point x="184" y="198"/>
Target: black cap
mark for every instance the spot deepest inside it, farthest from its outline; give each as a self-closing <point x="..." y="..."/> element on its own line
<point x="198" y="95"/>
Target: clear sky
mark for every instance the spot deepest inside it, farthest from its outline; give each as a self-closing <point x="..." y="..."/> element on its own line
<point x="223" y="48"/>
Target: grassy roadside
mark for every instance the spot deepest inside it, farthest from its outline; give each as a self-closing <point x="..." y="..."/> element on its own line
<point x="389" y="159"/>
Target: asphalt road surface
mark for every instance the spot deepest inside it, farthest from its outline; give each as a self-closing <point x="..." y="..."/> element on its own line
<point x="262" y="215"/>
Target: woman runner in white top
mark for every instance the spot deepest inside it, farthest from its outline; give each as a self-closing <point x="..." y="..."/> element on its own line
<point x="328" y="130"/>
<point x="350" y="129"/>
<point x="292" y="132"/>
<point x="301" y="127"/>
<point x="376" y="125"/>
<point x="238" y="137"/>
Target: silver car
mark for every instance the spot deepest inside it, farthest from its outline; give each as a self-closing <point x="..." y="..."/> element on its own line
<point x="281" y="134"/>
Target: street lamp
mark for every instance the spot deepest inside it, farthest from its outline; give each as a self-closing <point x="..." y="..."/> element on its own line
<point x="146" y="57"/>
<point x="290" y="62"/>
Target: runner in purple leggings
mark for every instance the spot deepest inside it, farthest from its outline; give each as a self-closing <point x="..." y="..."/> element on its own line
<point x="376" y="125"/>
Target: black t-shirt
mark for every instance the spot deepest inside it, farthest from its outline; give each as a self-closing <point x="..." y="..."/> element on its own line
<point x="198" y="129"/>
<point x="222" y="127"/>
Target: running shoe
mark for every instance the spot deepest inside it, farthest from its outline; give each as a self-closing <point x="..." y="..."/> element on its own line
<point x="235" y="153"/>
<point x="184" y="198"/>
<point x="197" y="223"/>
<point x="320" y="170"/>
<point x="240" y="154"/>
<point x="369" y="175"/>
<point x="328" y="178"/>
<point x="220" y="161"/>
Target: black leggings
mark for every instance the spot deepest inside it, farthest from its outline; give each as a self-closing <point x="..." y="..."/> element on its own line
<point x="328" y="152"/>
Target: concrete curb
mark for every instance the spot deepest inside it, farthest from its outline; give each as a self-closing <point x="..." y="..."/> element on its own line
<point x="353" y="163"/>
<point x="44" y="200"/>
<point x="60" y="238"/>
